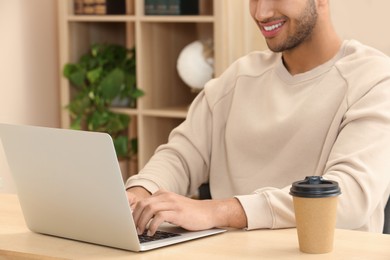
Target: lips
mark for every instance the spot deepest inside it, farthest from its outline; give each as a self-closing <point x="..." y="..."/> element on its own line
<point x="271" y="29"/>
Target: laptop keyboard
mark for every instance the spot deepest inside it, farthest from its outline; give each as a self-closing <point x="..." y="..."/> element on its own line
<point x="157" y="236"/>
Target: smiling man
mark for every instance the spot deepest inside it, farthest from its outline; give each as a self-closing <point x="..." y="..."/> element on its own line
<point x="311" y="105"/>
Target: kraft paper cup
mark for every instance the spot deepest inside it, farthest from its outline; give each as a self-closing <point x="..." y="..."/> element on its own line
<point x="315" y="205"/>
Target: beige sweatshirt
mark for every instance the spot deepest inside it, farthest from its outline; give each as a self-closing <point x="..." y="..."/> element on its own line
<point x="256" y="129"/>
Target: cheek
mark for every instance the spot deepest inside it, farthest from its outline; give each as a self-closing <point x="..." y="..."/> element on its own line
<point x="252" y="8"/>
<point x="291" y="9"/>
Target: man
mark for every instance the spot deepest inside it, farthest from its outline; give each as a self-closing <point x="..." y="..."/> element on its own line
<point x="312" y="105"/>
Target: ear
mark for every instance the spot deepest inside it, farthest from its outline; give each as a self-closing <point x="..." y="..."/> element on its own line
<point x="322" y="3"/>
<point x="323" y="6"/>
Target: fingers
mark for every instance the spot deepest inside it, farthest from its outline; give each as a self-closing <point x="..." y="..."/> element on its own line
<point x="136" y="194"/>
<point x="152" y="212"/>
<point x="158" y="219"/>
<point x="132" y="200"/>
<point x="165" y="206"/>
<point x="144" y="214"/>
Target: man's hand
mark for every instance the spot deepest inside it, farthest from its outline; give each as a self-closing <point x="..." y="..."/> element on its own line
<point x="164" y="206"/>
<point x="135" y="194"/>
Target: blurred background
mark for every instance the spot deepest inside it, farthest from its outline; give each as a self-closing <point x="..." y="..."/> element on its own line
<point x="30" y="71"/>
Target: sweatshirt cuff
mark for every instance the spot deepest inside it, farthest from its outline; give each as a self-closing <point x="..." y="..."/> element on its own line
<point x="257" y="210"/>
<point x="150" y="186"/>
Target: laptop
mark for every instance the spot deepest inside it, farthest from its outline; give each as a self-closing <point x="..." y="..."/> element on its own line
<point x="69" y="185"/>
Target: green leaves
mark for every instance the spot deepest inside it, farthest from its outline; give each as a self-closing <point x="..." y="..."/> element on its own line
<point x="106" y="73"/>
<point x="75" y="74"/>
<point x="94" y="75"/>
<point x="112" y="85"/>
<point x="121" y="144"/>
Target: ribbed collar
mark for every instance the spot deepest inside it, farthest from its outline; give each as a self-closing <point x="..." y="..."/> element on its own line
<point x="285" y="75"/>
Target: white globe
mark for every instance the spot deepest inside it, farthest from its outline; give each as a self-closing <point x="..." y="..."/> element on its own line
<point x="193" y="67"/>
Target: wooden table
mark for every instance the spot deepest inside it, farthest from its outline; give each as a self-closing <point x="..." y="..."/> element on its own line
<point x="17" y="242"/>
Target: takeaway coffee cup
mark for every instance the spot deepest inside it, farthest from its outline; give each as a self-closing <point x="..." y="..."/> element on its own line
<point x="315" y="204"/>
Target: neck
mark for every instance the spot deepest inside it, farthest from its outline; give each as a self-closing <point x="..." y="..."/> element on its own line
<point x="308" y="57"/>
<point x="322" y="46"/>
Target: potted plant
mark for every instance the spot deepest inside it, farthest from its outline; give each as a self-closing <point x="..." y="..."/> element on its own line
<point x="101" y="77"/>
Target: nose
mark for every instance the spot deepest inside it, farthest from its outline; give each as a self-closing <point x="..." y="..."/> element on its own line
<point x="264" y="9"/>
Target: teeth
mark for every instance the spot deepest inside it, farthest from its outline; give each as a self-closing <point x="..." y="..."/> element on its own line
<point x="273" y="27"/>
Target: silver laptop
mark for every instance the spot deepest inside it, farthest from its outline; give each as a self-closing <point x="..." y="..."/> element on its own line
<point x="69" y="185"/>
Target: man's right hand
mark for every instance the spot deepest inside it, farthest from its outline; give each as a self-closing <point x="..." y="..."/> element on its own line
<point x="135" y="194"/>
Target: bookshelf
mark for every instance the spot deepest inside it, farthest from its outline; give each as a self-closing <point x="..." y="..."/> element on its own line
<point x="158" y="40"/>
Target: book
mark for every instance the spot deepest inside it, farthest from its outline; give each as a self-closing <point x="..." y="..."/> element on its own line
<point x="174" y="7"/>
<point x="99" y="7"/>
<point x="171" y="7"/>
<point x="88" y="7"/>
<point x="78" y="6"/>
<point x="150" y="7"/>
<point x="161" y="7"/>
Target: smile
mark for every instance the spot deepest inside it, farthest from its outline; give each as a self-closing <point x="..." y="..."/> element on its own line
<point x="273" y="27"/>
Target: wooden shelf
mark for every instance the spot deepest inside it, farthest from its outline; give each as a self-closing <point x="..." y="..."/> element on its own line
<point x="101" y="18"/>
<point x="178" y="18"/>
<point x="144" y="18"/>
<point x="174" y="112"/>
<point x="126" y="111"/>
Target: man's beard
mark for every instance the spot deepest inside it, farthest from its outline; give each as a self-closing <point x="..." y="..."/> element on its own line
<point x="305" y="25"/>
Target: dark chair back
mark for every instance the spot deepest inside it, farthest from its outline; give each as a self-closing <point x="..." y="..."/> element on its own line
<point x="386" y="228"/>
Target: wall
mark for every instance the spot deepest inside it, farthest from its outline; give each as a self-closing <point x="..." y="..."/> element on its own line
<point x="28" y="68"/>
<point x="364" y="20"/>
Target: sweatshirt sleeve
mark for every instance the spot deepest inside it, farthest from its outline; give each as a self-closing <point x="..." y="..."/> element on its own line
<point x="182" y="164"/>
<point x="268" y="208"/>
<point x="358" y="161"/>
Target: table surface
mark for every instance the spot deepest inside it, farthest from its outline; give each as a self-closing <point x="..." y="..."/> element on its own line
<point x="18" y="242"/>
